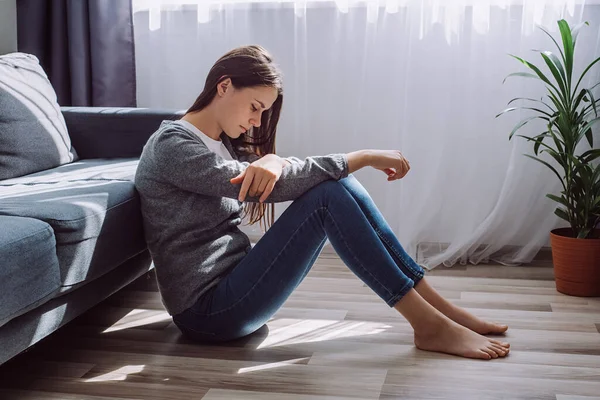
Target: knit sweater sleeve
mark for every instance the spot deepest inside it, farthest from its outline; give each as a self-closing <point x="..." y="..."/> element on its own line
<point x="188" y="164"/>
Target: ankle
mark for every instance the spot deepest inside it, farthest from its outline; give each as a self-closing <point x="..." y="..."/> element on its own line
<point x="431" y="326"/>
<point x="419" y="313"/>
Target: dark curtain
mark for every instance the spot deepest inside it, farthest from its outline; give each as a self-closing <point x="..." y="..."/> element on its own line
<point x="85" y="46"/>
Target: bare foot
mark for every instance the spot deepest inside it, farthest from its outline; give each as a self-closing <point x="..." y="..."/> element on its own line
<point x="476" y="324"/>
<point x="452" y="338"/>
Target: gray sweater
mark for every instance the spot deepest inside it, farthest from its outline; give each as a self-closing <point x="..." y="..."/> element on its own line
<point x="191" y="211"/>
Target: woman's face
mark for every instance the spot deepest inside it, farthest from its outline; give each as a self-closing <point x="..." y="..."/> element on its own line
<point x="239" y="109"/>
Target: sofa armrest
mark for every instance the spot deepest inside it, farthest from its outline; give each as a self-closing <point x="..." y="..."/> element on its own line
<point x="113" y="132"/>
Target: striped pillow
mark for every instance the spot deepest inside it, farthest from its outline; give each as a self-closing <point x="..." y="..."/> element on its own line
<point x="33" y="133"/>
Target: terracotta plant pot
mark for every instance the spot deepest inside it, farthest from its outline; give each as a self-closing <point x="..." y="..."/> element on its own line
<point x="576" y="263"/>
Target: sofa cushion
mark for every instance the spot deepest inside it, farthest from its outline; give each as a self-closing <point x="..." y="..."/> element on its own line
<point x="94" y="169"/>
<point x="33" y="133"/>
<point x="93" y="208"/>
<point x="29" y="273"/>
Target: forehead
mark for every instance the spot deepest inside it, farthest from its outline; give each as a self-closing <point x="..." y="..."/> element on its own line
<point x="265" y="94"/>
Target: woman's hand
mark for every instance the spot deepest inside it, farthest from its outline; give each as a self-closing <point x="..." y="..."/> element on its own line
<point x="260" y="177"/>
<point x="392" y="162"/>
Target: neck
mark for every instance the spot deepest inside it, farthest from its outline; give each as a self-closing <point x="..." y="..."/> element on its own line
<point x="205" y="121"/>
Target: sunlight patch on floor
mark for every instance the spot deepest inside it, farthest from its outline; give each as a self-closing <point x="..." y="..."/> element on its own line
<point x="137" y="318"/>
<point x="312" y="330"/>
<point x="272" y="365"/>
<point x="118" y="374"/>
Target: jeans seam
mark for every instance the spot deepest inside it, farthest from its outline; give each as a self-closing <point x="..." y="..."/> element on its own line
<point x="359" y="263"/>
<point x="266" y="271"/>
<point x="417" y="273"/>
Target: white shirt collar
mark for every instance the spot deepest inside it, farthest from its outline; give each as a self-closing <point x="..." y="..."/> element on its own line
<point x="201" y="134"/>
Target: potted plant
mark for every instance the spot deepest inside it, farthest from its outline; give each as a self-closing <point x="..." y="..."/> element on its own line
<point x="569" y="112"/>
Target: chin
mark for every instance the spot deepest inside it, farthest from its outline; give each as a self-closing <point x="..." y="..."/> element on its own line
<point x="229" y="135"/>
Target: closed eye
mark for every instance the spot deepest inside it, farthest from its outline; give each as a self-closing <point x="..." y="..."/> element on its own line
<point x="254" y="109"/>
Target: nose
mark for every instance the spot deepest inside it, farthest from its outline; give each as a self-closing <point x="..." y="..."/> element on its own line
<point x="255" y="122"/>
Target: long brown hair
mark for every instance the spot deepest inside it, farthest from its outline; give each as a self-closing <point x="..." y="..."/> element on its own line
<point x="249" y="66"/>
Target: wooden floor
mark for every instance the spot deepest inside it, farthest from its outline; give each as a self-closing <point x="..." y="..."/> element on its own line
<point x="333" y="340"/>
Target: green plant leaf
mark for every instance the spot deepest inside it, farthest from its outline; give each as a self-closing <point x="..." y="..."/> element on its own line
<point x="506" y="110"/>
<point x="562" y="200"/>
<point x="536" y="146"/>
<point x="586" y="112"/>
<point x="575" y="31"/>
<point x="521" y="74"/>
<point x="557" y="76"/>
<point x="567" y="40"/>
<point x="549" y="166"/>
<point x="559" y="104"/>
<point x="589" y="137"/>
<point x="539" y="141"/>
<point x="593" y="101"/>
<point x="586" y="129"/>
<point x="583" y="233"/>
<point x="585" y="72"/>
<point x="525" y="108"/>
<point x="558" y="64"/>
<point x="580" y="97"/>
<point x="562" y="214"/>
<point x="530" y="99"/>
<point x="538" y="73"/>
<point x="590" y="155"/>
<point x="521" y="124"/>
<point x="556" y="156"/>
<point x="555" y="42"/>
<point x="560" y="145"/>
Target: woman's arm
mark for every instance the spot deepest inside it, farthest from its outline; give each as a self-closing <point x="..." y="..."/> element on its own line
<point x="261" y="180"/>
<point x="358" y="159"/>
<point x="379" y="159"/>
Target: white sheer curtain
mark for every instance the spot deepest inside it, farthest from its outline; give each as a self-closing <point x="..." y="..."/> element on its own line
<point x="424" y="77"/>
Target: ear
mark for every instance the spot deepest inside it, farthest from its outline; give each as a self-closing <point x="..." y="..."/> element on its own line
<point x="223" y="86"/>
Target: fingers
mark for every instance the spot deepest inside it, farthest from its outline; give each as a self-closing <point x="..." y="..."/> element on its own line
<point x="268" y="190"/>
<point x="238" y="178"/>
<point x="401" y="172"/>
<point x="246" y="184"/>
<point x="263" y="185"/>
<point x="258" y="185"/>
<point x="406" y="168"/>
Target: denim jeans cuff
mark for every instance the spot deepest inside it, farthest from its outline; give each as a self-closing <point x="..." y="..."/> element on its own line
<point x="396" y="298"/>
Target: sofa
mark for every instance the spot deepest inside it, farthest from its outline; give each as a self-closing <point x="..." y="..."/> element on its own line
<point x="71" y="231"/>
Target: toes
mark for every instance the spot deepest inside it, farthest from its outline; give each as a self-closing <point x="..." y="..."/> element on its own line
<point x="483" y="354"/>
<point x="495" y="328"/>
<point x="500" y="350"/>
<point x="499" y="343"/>
<point x="491" y="352"/>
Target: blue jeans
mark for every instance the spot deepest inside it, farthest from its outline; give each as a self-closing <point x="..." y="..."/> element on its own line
<point x="248" y="296"/>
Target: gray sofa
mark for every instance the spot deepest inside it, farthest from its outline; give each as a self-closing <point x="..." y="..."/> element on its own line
<point x="70" y="235"/>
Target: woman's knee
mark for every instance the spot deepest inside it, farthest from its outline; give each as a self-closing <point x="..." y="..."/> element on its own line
<point x="329" y="186"/>
<point x="322" y="194"/>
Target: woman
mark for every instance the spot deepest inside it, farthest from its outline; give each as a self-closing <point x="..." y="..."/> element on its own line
<point x="193" y="177"/>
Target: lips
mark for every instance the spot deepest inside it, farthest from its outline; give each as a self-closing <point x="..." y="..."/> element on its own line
<point x="244" y="130"/>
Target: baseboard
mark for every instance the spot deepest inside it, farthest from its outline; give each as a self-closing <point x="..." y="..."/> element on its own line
<point x="544" y="254"/>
